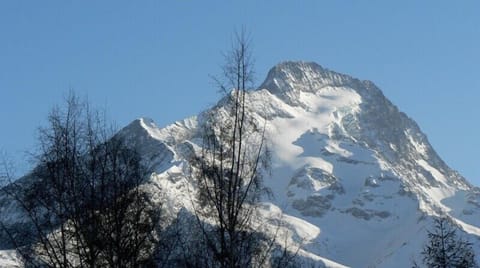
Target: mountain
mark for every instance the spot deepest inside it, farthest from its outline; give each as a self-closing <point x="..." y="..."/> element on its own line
<point x="355" y="182"/>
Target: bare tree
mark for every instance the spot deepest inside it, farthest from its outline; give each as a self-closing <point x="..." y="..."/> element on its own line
<point x="84" y="201"/>
<point x="229" y="168"/>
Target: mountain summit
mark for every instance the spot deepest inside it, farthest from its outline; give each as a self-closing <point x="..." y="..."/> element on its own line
<point x="355" y="179"/>
<point x="355" y="182"/>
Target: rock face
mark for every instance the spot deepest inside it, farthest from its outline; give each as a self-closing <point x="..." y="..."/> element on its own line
<point x="349" y="163"/>
<point x="355" y="180"/>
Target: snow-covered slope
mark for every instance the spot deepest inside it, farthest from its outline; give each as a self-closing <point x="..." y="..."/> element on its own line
<point x="353" y="177"/>
<point x="354" y="180"/>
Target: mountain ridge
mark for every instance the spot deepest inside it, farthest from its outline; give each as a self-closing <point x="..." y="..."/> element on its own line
<point x="344" y="152"/>
<point x="355" y="181"/>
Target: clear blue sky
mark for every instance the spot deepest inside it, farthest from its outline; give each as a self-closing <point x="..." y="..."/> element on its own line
<point x="153" y="58"/>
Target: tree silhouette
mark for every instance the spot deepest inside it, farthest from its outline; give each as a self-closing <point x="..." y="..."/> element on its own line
<point x="84" y="202"/>
<point x="445" y="250"/>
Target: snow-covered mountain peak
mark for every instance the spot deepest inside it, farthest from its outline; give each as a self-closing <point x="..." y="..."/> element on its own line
<point x="139" y="127"/>
<point x="288" y="78"/>
<point x="365" y="114"/>
<point x="334" y="135"/>
<point x="355" y="180"/>
<point x="345" y="151"/>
